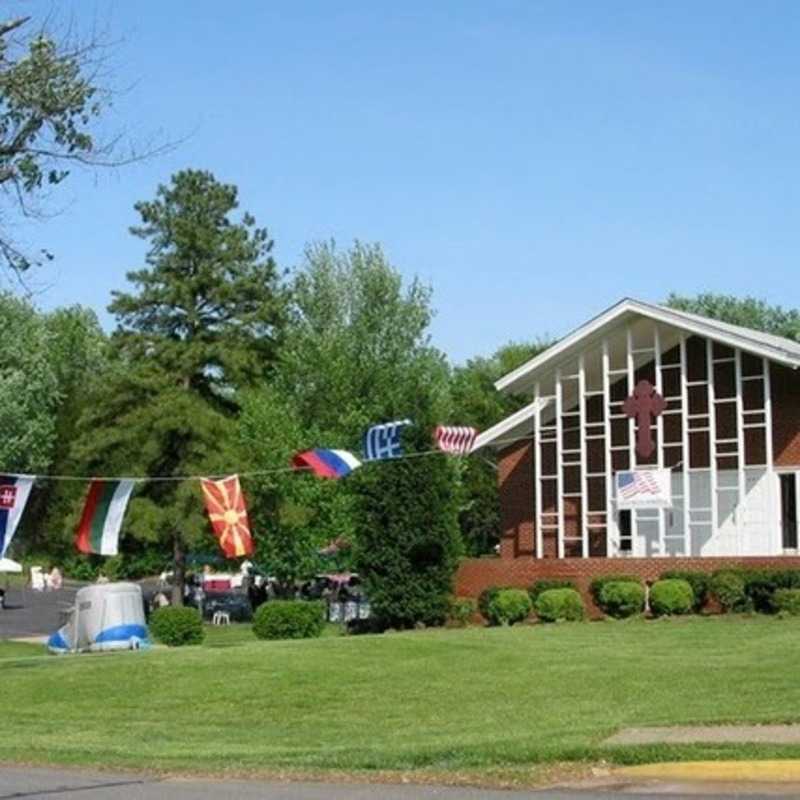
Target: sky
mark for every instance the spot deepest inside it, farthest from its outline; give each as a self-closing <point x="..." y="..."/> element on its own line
<point x="534" y="162"/>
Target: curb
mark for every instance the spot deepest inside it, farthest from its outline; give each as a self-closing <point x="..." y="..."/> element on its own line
<point x="774" y="771"/>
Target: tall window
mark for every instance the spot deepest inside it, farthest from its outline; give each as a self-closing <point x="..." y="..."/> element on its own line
<point x="625" y="531"/>
<point x="789" y="510"/>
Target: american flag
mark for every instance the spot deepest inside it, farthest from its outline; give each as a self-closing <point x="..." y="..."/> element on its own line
<point x="636" y="484"/>
<point x="455" y="439"/>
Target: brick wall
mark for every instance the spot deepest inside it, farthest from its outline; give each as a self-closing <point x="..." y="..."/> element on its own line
<point x="476" y="574"/>
<point x="515" y="464"/>
<point x="515" y="480"/>
<point x="785" y="415"/>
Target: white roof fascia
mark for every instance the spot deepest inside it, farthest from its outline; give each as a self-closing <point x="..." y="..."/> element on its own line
<point x="724" y="333"/>
<point x="507" y="425"/>
<point x="585" y="330"/>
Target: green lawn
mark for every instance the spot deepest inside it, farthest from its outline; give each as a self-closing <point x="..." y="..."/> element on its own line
<point x="443" y="700"/>
<point x="19" y="650"/>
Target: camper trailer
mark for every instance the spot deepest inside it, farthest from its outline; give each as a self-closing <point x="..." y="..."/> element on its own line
<point x="106" y="616"/>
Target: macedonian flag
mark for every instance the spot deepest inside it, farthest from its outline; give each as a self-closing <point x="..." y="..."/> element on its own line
<point x="228" y="514"/>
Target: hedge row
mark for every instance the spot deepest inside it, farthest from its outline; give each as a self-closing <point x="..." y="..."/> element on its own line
<point x="767" y="591"/>
<point x="741" y="588"/>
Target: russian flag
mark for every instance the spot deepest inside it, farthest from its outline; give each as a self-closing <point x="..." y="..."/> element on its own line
<point x="14" y="491"/>
<point x="326" y="463"/>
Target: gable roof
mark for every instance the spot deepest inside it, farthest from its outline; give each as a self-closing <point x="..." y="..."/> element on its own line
<point x="766" y="345"/>
<point x="775" y="348"/>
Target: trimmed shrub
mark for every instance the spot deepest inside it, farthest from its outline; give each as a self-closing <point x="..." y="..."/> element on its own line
<point x="545" y="585"/>
<point x="728" y="588"/>
<point x="289" y="619"/>
<point x="671" y="596"/>
<point x="621" y="599"/>
<point x="509" y="606"/>
<point x="485" y="599"/>
<point x="699" y="581"/>
<point x="596" y="586"/>
<point x="176" y="626"/>
<point x="461" y="611"/>
<point x="787" y="601"/>
<point x="760" y="585"/>
<point x="554" y="605"/>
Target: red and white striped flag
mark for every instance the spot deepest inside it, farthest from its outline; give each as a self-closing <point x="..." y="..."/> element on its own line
<point x="457" y="440"/>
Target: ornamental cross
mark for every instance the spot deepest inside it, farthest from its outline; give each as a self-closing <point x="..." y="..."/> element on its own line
<point x="8" y="495"/>
<point x="645" y="404"/>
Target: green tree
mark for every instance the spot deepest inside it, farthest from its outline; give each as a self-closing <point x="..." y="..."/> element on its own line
<point x="77" y="355"/>
<point x="295" y="514"/>
<point x="358" y="347"/>
<point x="29" y="388"/>
<point x="408" y="541"/>
<point x="203" y="323"/>
<point x="51" y="99"/>
<point x="749" y="312"/>
<point x="356" y="352"/>
<point x="477" y="403"/>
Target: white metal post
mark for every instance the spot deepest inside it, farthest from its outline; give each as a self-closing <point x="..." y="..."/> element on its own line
<point x="559" y="463"/>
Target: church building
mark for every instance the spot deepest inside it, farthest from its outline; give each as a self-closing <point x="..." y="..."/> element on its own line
<point x="651" y="439"/>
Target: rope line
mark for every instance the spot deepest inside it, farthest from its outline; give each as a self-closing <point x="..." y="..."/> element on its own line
<point x="180" y="478"/>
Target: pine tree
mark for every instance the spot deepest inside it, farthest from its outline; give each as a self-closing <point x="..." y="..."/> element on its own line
<point x="203" y="323"/>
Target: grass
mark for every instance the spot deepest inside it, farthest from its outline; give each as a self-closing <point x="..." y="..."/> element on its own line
<point x="474" y="699"/>
<point x="19" y="650"/>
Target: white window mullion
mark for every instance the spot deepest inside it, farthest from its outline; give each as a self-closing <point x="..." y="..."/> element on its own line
<point x="632" y="437"/>
<point x="712" y="438"/>
<point x="740" y="450"/>
<point x="685" y="449"/>
<point x="537" y="473"/>
<point x="659" y="434"/>
<point x="612" y="536"/>
<point x="773" y="492"/>
<point x="584" y="481"/>
<point x="559" y="464"/>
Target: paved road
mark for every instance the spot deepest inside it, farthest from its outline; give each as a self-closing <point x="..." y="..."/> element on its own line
<point x="18" y="783"/>
<point x="30" y="613"/>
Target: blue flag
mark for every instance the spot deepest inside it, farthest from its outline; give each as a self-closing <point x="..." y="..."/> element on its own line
<point x="383" y="441"/>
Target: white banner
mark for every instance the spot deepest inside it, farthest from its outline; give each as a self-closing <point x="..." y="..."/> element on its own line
<point x="644" y="488"/>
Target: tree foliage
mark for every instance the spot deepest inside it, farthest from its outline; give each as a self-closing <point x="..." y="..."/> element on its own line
<point x="201" y="325"/>
<point x="356" y="352"/>
<point x="29" y="388"/>
<point x="51" y="100"/>
<point x="358" y="348"/>
<point x="408" y="541"/>
<point x="749" y="312"/>
<point x="476" y="402"/>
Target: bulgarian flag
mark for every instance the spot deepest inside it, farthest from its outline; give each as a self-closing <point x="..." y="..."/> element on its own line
<point x="98" y="530"/>
<point x="228" y="515"/>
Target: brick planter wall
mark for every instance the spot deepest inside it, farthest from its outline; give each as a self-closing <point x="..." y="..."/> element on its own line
<point x="476" y="574"/>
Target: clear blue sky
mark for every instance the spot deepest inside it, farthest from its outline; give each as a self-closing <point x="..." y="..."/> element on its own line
<point x="532" y="161"/>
